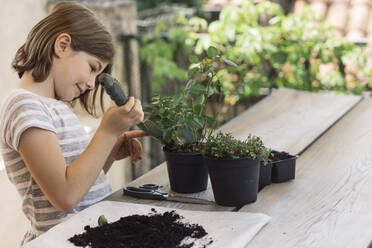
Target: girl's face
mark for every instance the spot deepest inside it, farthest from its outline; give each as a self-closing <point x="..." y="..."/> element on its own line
<point x="74" y="72"/>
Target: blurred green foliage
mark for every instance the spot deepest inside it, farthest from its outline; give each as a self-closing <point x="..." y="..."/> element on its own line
<point x="146" y="4"/>
<point x="271" y="50"/>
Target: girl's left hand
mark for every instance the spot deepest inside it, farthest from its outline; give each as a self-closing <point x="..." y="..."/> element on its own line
<point x="128" y="145"/>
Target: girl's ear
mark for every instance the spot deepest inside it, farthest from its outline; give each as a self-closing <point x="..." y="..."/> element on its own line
<point x="62" y="45"/>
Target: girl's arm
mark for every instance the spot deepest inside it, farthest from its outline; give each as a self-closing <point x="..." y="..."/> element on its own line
<point x="63" y="185"/>
<point x="107" y="165"/>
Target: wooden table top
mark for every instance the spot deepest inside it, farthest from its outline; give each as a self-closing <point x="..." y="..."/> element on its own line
<point x="327" y="204"/>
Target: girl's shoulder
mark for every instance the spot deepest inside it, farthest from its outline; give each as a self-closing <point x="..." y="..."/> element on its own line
<point x="20" y="98"/>
<point x="24" y="99"/>
<point x="19" y="94"/>
<point x="21" y="110"/>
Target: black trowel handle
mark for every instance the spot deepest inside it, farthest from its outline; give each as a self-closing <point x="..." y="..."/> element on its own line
<point x="113" y="89"/>
<point x="116" y="93"/>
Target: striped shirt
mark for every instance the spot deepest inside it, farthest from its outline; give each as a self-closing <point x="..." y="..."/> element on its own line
<point x="20" y="111"/>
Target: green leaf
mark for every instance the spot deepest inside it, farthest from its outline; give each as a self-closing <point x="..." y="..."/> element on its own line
<point x="168" y="134"/>
<point x="198" y="108"/>
<point x="197" y="89"/>
<point x="212" y="122"/>
<point x="199" y="122"/>
<point x="188" y="136"/>
<point x="212" y="52"/>
<point x="229" y="62"/>
<point x="201" y="99"/>
<point x="192" y="71"/>
<point x="193" y="59"/>
<point x="189" y="84"/>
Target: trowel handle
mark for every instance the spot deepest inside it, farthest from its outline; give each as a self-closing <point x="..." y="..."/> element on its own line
<point x="116" y="93"/>
<point x="113" y="89"/>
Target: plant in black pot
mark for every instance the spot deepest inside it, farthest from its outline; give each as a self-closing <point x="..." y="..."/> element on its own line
<point x="233" y="167"/>
<point x="181" y="118"/>
<point x="183" y="130"/>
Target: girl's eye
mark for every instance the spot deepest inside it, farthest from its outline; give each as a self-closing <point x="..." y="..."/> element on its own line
<point x="92" y="68"/>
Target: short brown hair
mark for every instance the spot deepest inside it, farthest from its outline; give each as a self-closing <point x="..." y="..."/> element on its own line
<point x="87" y="33"/>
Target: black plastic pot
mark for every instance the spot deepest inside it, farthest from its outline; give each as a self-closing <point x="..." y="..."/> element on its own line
<point x="283" y="169"/>
<point x="265" y="175"/>
<point x="187" y="172"/>
<point x="234" y="181"/>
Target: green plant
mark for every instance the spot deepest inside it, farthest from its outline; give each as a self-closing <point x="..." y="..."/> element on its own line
<point x="181" y="116"/>
<point x="162" y="54"/>
<point x="271" y="50"/>
<point x="225" y="146"/>
<point x="145" y="4"/>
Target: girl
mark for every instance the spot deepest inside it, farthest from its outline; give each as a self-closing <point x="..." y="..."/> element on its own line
<point x="56" y="168"/>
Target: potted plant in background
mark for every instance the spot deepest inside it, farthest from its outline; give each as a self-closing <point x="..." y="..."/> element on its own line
<point x="184" y="124"/>
<point x="283" y="166"/>
<point x="233" y="167"/>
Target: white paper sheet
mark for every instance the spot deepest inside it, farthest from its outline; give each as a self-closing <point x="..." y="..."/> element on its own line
<point x="227" y="229"/>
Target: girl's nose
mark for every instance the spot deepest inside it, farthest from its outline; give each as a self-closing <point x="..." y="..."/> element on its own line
<point x="91" y="83"/>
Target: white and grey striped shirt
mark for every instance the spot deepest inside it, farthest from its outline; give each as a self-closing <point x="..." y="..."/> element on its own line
<point x="20" y="111"/>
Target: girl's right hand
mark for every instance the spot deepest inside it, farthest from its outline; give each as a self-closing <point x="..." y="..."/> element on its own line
<point x="117" y="120"/>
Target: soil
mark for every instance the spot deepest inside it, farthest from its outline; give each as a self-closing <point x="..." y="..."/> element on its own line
<point x="185" y="148"/>
<point x="153" y="230"/>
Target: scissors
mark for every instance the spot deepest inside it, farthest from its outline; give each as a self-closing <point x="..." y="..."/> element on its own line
<point x="153" y="192"/>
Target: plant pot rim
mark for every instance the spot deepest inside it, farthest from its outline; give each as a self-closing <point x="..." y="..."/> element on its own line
<point x="290" y="157"/>
<point x="230" y="159"/>
<point x="184" y="153"/>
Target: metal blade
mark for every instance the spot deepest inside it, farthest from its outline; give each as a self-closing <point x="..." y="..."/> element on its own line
<point x="151" y="129"/>
<point x="185" y="199"/>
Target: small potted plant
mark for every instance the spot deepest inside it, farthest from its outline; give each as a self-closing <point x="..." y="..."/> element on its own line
<point x="184" y="124"/>
<point x="233" y="167"/>
<point x="183" y="130"/>
<point x="283" y="166"/>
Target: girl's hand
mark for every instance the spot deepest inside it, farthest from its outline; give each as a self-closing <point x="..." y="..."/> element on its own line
<point x="128" y="145"/>
<point x="117" y="120"/>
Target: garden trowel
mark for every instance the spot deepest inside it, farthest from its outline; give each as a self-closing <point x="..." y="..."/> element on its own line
<point x="114" y="90"/>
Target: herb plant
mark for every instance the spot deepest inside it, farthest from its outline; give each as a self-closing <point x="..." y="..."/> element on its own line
<point x="225" y="146"/>
<point x="181" y="116"/>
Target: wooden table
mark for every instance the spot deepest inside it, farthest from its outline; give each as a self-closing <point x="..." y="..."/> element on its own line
<point x="328" y="204"/>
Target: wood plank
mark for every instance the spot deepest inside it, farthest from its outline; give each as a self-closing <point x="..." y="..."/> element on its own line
<point x="290" y="120"/>
<point x="329" y="203"/>
<point x="159" y="175"/>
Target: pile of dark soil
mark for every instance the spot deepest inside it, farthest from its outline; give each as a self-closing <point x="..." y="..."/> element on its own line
<point x="146" y="231"/>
